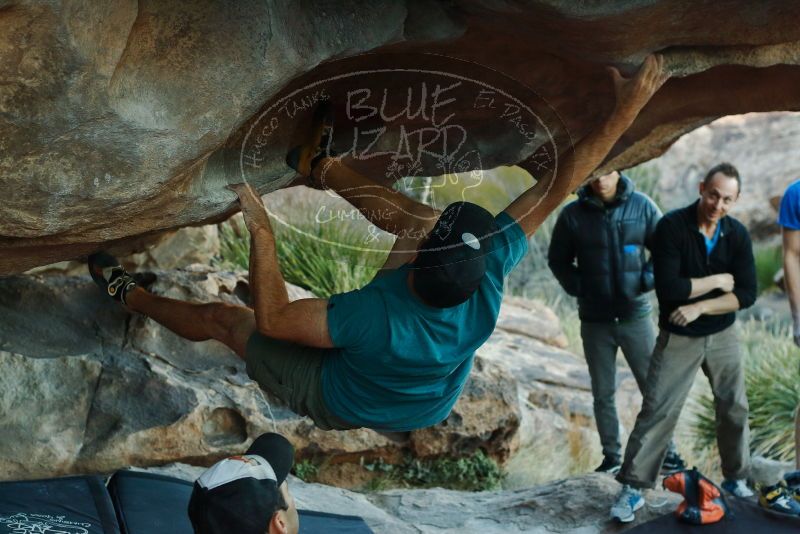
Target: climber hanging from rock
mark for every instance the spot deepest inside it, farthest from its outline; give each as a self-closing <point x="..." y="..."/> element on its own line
<point x="395" y="354"/>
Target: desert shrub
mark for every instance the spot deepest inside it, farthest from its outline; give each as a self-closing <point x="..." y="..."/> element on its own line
<point x="769" y="260"/>
<point x="646" y="177"/>
<point x="477" y="472"/>
<point x="773" y="392"/>
<point x="306" y="470"/>
<point x="493" y="189"/>
<point x="325" y="258"/>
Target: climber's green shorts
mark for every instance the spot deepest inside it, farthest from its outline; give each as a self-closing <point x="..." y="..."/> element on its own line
<point x="293" y="373"/>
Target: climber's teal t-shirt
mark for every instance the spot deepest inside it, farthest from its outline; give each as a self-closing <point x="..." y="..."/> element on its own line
<point x="401" y="364"/>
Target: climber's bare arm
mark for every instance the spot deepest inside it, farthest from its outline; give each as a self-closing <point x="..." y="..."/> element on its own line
<point x="386" y="208"/>
<point x="535" y="204"/>
<point x="389" y="210"/>
<point x="303" y="321"/>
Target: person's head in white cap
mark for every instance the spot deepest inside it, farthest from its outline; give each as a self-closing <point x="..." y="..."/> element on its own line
<point x="247" y="494"/>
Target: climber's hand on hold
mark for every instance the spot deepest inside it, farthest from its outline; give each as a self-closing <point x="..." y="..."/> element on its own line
<point x="255" y="215"/>
<point x="632" y="94"/>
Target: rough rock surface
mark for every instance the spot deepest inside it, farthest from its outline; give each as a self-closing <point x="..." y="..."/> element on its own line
<point x="578" y="504"/>
<point x="123" y="119"/>
<point x="170" y="250"/>
<point x="554" y="390"/>
<point x="91" y="388"/>
<point x="757" y="144"/>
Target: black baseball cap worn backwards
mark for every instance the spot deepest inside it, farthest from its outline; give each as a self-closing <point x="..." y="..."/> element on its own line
<point x="241" y="493"/>
<point x="452" y="261"/>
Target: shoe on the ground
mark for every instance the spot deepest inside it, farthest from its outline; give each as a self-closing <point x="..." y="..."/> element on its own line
<point x="672" y="463"/>
<point x="303" y="158"/>
<point x="112" y="278"/>
<point x="628" y="502"/>
<point x="610" y="465"/>
<point x="779" y="498"/>
<point x="792" y="480"/>
<point x="737" y="488"/>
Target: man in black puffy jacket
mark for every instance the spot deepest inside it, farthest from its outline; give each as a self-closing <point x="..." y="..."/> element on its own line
<point x="597" y="253"/>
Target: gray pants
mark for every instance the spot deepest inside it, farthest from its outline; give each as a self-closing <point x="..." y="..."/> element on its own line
<point x="636" y="338"/>
<point x="672" y="371"/>
<point x="293" y="373"/>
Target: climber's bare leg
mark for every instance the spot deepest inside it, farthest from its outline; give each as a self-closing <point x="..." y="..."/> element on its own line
<point x="386" y="208"/>
<point x="227" y="323"/>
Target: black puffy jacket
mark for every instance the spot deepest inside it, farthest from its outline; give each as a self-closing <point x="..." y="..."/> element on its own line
<point x="597" y="252"/>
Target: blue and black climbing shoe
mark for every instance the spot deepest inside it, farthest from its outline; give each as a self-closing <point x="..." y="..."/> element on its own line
<point x="316" y="145"/>
<point x="112" y="278"/>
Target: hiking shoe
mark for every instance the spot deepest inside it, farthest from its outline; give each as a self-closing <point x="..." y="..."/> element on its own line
<point x="610" y="465"/>
<point x="672" y="463"/>
<point x="737" y="488"/>
<point x="303" y="158"/>
<point x="628" y="501"/>
<point x="792" y="480"/>
<point x="778" y="498"/>
<point x="112" y="278"/>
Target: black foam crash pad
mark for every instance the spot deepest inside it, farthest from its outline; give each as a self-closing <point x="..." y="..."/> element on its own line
<point x="70" y="505"/>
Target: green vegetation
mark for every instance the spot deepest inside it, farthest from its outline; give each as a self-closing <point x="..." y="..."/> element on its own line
<point x="472" y="473"/>
<point x="769" y="260"/>
<point x="646" y="177"/>
<point x="325" y="258"/>
<point x="773" y="391"/>
<point x="306" y="470"/>
<point x="493" y="189"/>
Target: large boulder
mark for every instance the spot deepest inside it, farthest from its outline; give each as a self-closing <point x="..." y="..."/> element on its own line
<point x="554" y="390"/>
<point x="90" y="388"/>
<point x="161" y="252"/>
<point x="119" y="120"/>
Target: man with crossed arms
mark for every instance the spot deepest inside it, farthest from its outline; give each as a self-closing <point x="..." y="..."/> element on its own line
<point x="704" y="272"/>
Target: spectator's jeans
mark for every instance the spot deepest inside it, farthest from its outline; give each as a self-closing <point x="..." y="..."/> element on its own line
<point x="672" y="371"/>
<point x="636" y="338"/>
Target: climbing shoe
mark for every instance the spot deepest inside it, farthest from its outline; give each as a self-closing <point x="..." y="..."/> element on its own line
<point x="303" y="158"/>
<point x="112" y="278"/>
<point x="628" y="501"/>
<point x="672" y="463"/>
<point x="779" y="498"/>
<point x="610" y="465"/>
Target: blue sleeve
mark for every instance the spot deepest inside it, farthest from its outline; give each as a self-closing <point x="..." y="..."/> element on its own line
<point x="789" y="213"/>
<point x="509" y="244"/>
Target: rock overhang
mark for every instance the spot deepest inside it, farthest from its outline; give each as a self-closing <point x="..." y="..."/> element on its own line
<point x="121" y="121"/>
